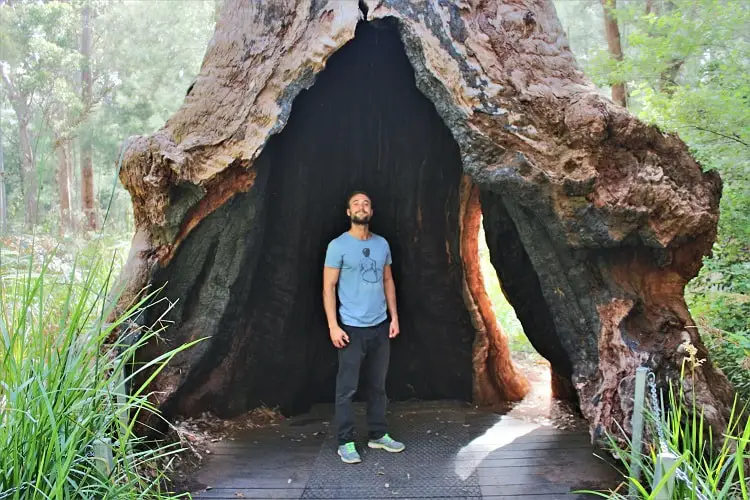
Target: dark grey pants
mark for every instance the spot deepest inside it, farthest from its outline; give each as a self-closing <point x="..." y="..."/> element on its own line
<point x="369" y="347"/>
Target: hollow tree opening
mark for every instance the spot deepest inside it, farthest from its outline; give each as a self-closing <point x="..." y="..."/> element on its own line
<point x="599" y="219"/>
<point x="362" y="125"/>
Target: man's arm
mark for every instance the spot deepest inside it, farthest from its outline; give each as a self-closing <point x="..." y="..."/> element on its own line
<point x="330" y="278"/>
<point x="390" y="298"/>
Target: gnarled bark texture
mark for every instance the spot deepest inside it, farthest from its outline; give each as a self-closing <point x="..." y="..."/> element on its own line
<point x="595" y="221"/>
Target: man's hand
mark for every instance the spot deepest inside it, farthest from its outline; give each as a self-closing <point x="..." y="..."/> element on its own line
<point x="394" y="330"/>
<point x="339" y="337"/>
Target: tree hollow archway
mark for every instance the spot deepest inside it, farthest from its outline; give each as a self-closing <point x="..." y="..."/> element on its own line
<point x="595" y="222"/>
<point x="362" y="125"/>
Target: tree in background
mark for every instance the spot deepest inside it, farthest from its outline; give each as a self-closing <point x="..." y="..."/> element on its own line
<point x="37" y="60"/>
<point x="91" y="217"/>
<point x="3" y="192"/>
<point x="612" y="30"/>
<point x="78" y="77"/>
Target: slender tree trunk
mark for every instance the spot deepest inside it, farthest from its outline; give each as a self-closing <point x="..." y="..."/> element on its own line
<point x="619" y="95"/>
<point x="63" y="183"/>
<point x="70" y="173"/>
<point x="87" y="165"/>
<point x="3" y="199"/>
<point x="217" y="9"/>
<point x="30" y="182"/>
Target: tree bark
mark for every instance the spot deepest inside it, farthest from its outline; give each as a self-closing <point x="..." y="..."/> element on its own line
<point x="62" y="148"/>
<point x="88" y="197"/>
<point x="29" y="182"/>
<point x="28" y="166"/>
<point x="3" y="192"/>
<point x="595" y="221"/>
<point x="612" y="31"/>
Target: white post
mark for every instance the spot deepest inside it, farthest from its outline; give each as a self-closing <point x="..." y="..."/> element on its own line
<point x="103" y="455"/>
<point x="664" y="462"/>
<point x="637" y="422"/>
<point x="121" y="397"/>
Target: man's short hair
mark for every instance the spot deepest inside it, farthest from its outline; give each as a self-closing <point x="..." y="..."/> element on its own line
<point x="355" y="193"/>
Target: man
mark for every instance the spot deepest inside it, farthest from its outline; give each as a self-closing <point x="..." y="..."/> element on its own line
<point x="359" y="262"/>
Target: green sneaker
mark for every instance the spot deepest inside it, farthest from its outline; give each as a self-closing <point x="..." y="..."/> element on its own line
<point x="386" y="443"/>
<point x="348" y="453"/>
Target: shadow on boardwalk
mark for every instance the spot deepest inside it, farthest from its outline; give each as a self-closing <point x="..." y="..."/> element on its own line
<point x="453" y="451"/>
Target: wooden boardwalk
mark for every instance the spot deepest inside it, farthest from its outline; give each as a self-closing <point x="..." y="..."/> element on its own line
<point x="453" y="451"/>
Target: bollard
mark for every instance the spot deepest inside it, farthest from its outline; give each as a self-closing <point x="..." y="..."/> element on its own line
<point x="121" y="397"/>
<point x="103" y="455"/>
<point x="637" y="422"/>
<point x="664" y="462"/>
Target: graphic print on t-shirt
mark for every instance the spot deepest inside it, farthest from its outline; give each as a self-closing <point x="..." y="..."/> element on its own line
<point x="368" y="268"/>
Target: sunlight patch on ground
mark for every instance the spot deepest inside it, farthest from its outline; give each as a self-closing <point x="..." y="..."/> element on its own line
<point x="504" y="432"/>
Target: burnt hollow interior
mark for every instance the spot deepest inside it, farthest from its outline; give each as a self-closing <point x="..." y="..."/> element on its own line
<point x="250" y="275"/>
<point x="363" y="125"/>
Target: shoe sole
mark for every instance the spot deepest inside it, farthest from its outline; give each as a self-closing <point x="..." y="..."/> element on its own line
<point x="378" y="446"/>
<point x="352" y="461"/>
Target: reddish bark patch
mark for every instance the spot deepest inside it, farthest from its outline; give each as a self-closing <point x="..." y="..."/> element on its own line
<point x="495" y="377"/>
<point x="235" y="179"/>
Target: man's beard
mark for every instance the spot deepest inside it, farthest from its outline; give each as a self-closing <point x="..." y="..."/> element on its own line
<point x="363" y="220"/>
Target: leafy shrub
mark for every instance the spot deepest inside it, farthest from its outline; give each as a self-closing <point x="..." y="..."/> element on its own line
<point x="719" y="299"/>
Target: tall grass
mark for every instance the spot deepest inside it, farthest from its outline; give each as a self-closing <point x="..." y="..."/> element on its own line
<point x="58" y="396"/>
<point x="706" y="466"/>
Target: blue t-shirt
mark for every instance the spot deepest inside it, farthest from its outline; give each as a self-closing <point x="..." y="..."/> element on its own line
<point x="360" y="287"/>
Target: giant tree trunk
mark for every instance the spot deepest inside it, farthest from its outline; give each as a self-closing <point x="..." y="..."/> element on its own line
<point x="612" y="31"/>
<point x="88" y="198"/>
<point x="595" y="222"/>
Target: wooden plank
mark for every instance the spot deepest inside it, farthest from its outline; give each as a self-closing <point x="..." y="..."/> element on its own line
<point x="538" y="444"/>
<point x="238" y="481"/>
<point x="273" y="445"/>
<point x="255" y="493"/>
<point x="530" y="477"/>
<point x="542" y="496"/>
<point x="523" y="489"/>
<point x="532" y="445"/>
<point x="522" y="432"/>
<point x="547" y="460"/>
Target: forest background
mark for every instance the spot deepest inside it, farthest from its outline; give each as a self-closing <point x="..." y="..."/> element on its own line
<point x="81" y="76"/>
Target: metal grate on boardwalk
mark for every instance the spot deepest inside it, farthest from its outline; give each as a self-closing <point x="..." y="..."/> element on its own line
<point x="426" y="469"/>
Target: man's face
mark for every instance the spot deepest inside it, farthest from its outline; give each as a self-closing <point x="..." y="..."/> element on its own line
<point x="360" y="209"/>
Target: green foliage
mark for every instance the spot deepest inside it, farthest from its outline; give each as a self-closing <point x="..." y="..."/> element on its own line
<point x="720" y="301"/>
<point x="57" y="397"/>
<point x="504" y="312"/>
<point x="145" y="54"/>
<point x="712" y="466"/>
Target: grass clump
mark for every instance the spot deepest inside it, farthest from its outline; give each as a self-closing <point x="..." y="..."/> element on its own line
<point x="59" y="400"/>
<point x="707" y="467"/>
